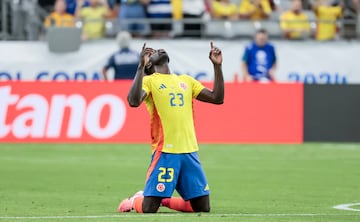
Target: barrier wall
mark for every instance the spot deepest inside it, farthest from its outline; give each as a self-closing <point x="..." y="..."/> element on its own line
<point x="309" y="62"/>
<point x="332" y="113"/>
<point x="84" y="112"/>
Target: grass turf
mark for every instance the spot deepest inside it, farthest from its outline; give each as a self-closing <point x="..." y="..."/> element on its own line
<point x="252" y="183"/>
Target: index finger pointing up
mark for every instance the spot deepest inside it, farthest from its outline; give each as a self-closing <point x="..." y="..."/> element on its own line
<point x="211" y="45"/>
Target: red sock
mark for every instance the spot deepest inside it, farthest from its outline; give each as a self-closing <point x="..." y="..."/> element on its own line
<point x="137" y="205"/>
<point x="177" y="203"/>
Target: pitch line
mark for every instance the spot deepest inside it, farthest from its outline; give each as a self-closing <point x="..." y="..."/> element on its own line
<point x="133" y="215"/>
<point x="347" y="206"/>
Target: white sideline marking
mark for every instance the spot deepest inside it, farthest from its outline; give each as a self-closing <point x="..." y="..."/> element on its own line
<point x="347" y="206"/>
<point x="173" y="215"/>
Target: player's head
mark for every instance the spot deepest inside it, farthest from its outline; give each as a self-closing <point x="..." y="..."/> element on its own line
<point x="123" y="39"/>
<point x="296" y="6"/>
<point x="261" y="37"/>
<point x="159" y="57"/>
<point x="94" y="3"/>
<point x="60" y="6"/>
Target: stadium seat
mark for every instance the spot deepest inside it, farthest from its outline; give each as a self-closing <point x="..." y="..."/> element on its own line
<point x="215" y="28"/>
<point x="63" y="39"/>
<point x="244" y="28"/>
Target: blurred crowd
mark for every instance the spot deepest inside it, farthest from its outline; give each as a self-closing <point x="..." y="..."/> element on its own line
<point x="298" y="19"/>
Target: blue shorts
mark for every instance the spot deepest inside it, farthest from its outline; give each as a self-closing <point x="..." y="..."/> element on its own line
<point x="183" y="172"/>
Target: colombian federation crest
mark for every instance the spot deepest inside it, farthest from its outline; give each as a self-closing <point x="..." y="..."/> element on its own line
<point x="183" y="85"/>
<point x="160" y="187"/>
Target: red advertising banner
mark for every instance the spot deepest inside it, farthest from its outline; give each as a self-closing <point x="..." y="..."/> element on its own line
<point x="83" y="112"/>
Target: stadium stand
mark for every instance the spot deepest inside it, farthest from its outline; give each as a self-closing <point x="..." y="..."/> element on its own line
<point x="212" y="27"/>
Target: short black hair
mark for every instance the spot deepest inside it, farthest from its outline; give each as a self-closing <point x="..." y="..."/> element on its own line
<point x="261" y="30"/>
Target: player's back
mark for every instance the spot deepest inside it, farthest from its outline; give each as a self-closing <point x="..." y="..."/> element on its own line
<point x="169" y="103"/>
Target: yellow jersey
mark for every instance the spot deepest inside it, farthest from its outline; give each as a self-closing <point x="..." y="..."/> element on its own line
<point x="247" y="6"/>
<point x="221" y="9"/>
<point x="326" y="26"/>
<point x="59" y="20"/>
<point x="94" y="22"/>
<point x="292" y="21"/>
<point x="169" y="101"/>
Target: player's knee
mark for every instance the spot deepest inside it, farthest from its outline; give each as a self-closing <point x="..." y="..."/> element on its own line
<point x="205" y="209"/>
<point x="149" y="209"/>
<point x="201" y="204"/>
<point x="150" y="205"/>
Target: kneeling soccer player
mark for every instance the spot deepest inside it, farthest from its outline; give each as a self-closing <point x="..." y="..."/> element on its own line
<point x="175" y="163"/>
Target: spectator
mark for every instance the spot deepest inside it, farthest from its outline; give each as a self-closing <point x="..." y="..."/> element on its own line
<point x="93" y="17"/>
<point x="259" y="59"/>
<point x="194" y="9"/>
<point x="255" y="9"/>
<point x="26" y="22"/>
<point x="294" y="23"/>
<point x="59" y="17"/>
<point x="125" y="61"/>
<point x="160" y="9"/>
<point x="224" y="9"/>
<point x="133" y="9"/>
<point x="326" y="19"/>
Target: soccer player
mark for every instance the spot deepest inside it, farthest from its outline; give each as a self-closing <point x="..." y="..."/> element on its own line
<point x="175" y="162"/>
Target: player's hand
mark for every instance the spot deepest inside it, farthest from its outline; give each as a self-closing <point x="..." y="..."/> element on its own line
<point x="215" y="55"/>
<point x="146" y="54"/>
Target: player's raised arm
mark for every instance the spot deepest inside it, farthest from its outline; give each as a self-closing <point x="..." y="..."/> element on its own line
<point x="216" y="95"/>
<point x="136" y="95"/>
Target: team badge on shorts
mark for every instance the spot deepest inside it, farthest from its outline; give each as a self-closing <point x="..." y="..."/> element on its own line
<point x="160" y="187"/>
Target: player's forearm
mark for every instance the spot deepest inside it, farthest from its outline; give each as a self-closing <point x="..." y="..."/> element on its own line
<point x="135" y="94"/>
<point x="247" y="77"/>
<point x="104" y="73"/>
<point x="218" y="90"/>
<point x="272" y="72"/>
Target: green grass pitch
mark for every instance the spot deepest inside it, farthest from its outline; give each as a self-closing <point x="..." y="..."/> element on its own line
<point x="252" y="183"/>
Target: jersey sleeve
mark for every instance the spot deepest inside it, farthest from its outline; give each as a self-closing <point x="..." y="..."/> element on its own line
<point x="244" y="7"/>
<point x="245" y="57"/>
<point x="110" y="62"/>
<point x="338" y="11"/>
<point x="284" y="24"/>
<point x="266" y="6"/>
<point x="197" y="87"/>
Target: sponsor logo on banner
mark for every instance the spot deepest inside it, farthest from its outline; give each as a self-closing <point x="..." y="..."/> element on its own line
<point x="59" y="115"/>
<point x="96" y="112"/>
<point x="47" y="75"/>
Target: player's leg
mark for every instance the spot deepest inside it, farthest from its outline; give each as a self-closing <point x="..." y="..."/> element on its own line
<point x="151" y="204"/>
<point x="192" y="183"/>
<point x="161" y="180"/>
<point x="201" y="204"/>
<point x="177" y="203"/>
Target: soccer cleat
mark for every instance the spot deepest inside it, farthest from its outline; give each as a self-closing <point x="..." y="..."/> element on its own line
<point x="126" y="205"/>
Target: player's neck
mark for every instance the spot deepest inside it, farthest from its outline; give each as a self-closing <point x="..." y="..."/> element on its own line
<point x="163" y="69"/>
